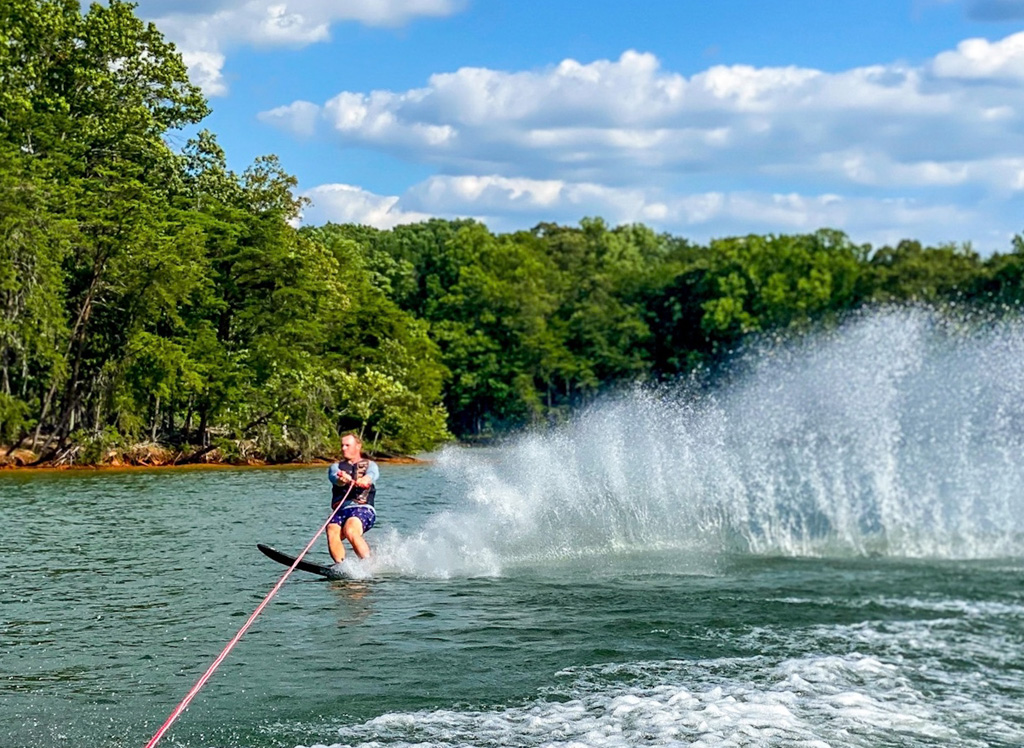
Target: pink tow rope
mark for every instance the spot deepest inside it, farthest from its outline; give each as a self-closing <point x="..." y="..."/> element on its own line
<point x="245" y="627"/>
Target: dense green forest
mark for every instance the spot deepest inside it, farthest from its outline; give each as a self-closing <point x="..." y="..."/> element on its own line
<point x="150" y="294"/>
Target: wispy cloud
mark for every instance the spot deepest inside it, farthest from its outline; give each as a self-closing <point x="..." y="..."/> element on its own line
<point x="510" y="204"/>
<point x="995" y="10"/>
<point x="299" y="118"/>
<point x="344" y="203"/>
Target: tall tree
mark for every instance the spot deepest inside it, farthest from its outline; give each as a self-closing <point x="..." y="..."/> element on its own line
<point x="86" y="101"/>
<point x="33" y="328"/>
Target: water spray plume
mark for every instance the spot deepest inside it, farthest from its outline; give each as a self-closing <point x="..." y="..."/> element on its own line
<point x="901" y="433"/>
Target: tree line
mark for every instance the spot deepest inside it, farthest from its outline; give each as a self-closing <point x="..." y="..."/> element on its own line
<point x="152" y="294"/>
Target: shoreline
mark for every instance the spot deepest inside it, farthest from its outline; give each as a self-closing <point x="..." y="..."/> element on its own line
<point x="23" y="459"/>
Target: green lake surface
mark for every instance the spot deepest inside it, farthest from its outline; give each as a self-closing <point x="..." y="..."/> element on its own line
<point x="119" y="589"/>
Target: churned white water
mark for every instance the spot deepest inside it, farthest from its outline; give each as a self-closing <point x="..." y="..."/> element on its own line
<point x="814" y="700"/>
<point x="884" y="680"/>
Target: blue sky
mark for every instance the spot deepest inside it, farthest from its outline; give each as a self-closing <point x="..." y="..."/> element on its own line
<point x="887" y="119"/>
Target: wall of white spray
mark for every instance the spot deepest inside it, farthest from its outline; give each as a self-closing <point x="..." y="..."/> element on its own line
<point x="901" y="433"/>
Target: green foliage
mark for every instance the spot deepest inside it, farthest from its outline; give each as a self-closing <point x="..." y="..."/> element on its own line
<point x="912" y="272"/>
<point x="1001" y="282"/>
<point x="531" y="324"/>
<point x="779" y="281"/>
<point x="385" y="371"/>
<point x="33" y="246"/>
<point x="15" y="418"/>
<point x="95" y="446"/>
<point x="97" y="88"/>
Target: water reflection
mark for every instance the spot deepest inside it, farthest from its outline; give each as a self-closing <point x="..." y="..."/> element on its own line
<point x="355" y="603"/>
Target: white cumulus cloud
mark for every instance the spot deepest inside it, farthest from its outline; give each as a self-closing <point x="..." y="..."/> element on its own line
<point x="205" y="31"/>
<point x="890" y="149"/>
<point x="980" y="59"/>
<point x="630" y="121"/>
<point x="205" y="70"/>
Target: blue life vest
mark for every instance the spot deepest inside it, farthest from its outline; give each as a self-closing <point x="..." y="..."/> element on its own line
<point x="356" y="471"/>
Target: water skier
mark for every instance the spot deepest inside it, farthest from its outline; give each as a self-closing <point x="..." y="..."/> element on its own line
<point x="353" y="487"/>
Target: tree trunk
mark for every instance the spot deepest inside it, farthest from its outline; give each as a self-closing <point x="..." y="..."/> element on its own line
<point x="203" y="412"/>
<point x="156" y="419"/>
<point x="186" y="427"/>
<point x="42" y="416"/>
<point x="76" y="342"/>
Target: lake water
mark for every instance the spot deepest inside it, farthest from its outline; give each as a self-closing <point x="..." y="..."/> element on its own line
<point x="826" y="551"/>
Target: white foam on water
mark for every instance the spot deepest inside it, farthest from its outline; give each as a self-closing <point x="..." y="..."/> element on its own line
<point x="900" y="434"/>
<point x="967" y="608"/>
<point x="936" y="635"/>
<point x="451" y="545"/>
<point x="812" y="701"/>
<point x="963" y="669"/>
<point x="354" y="567"/>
